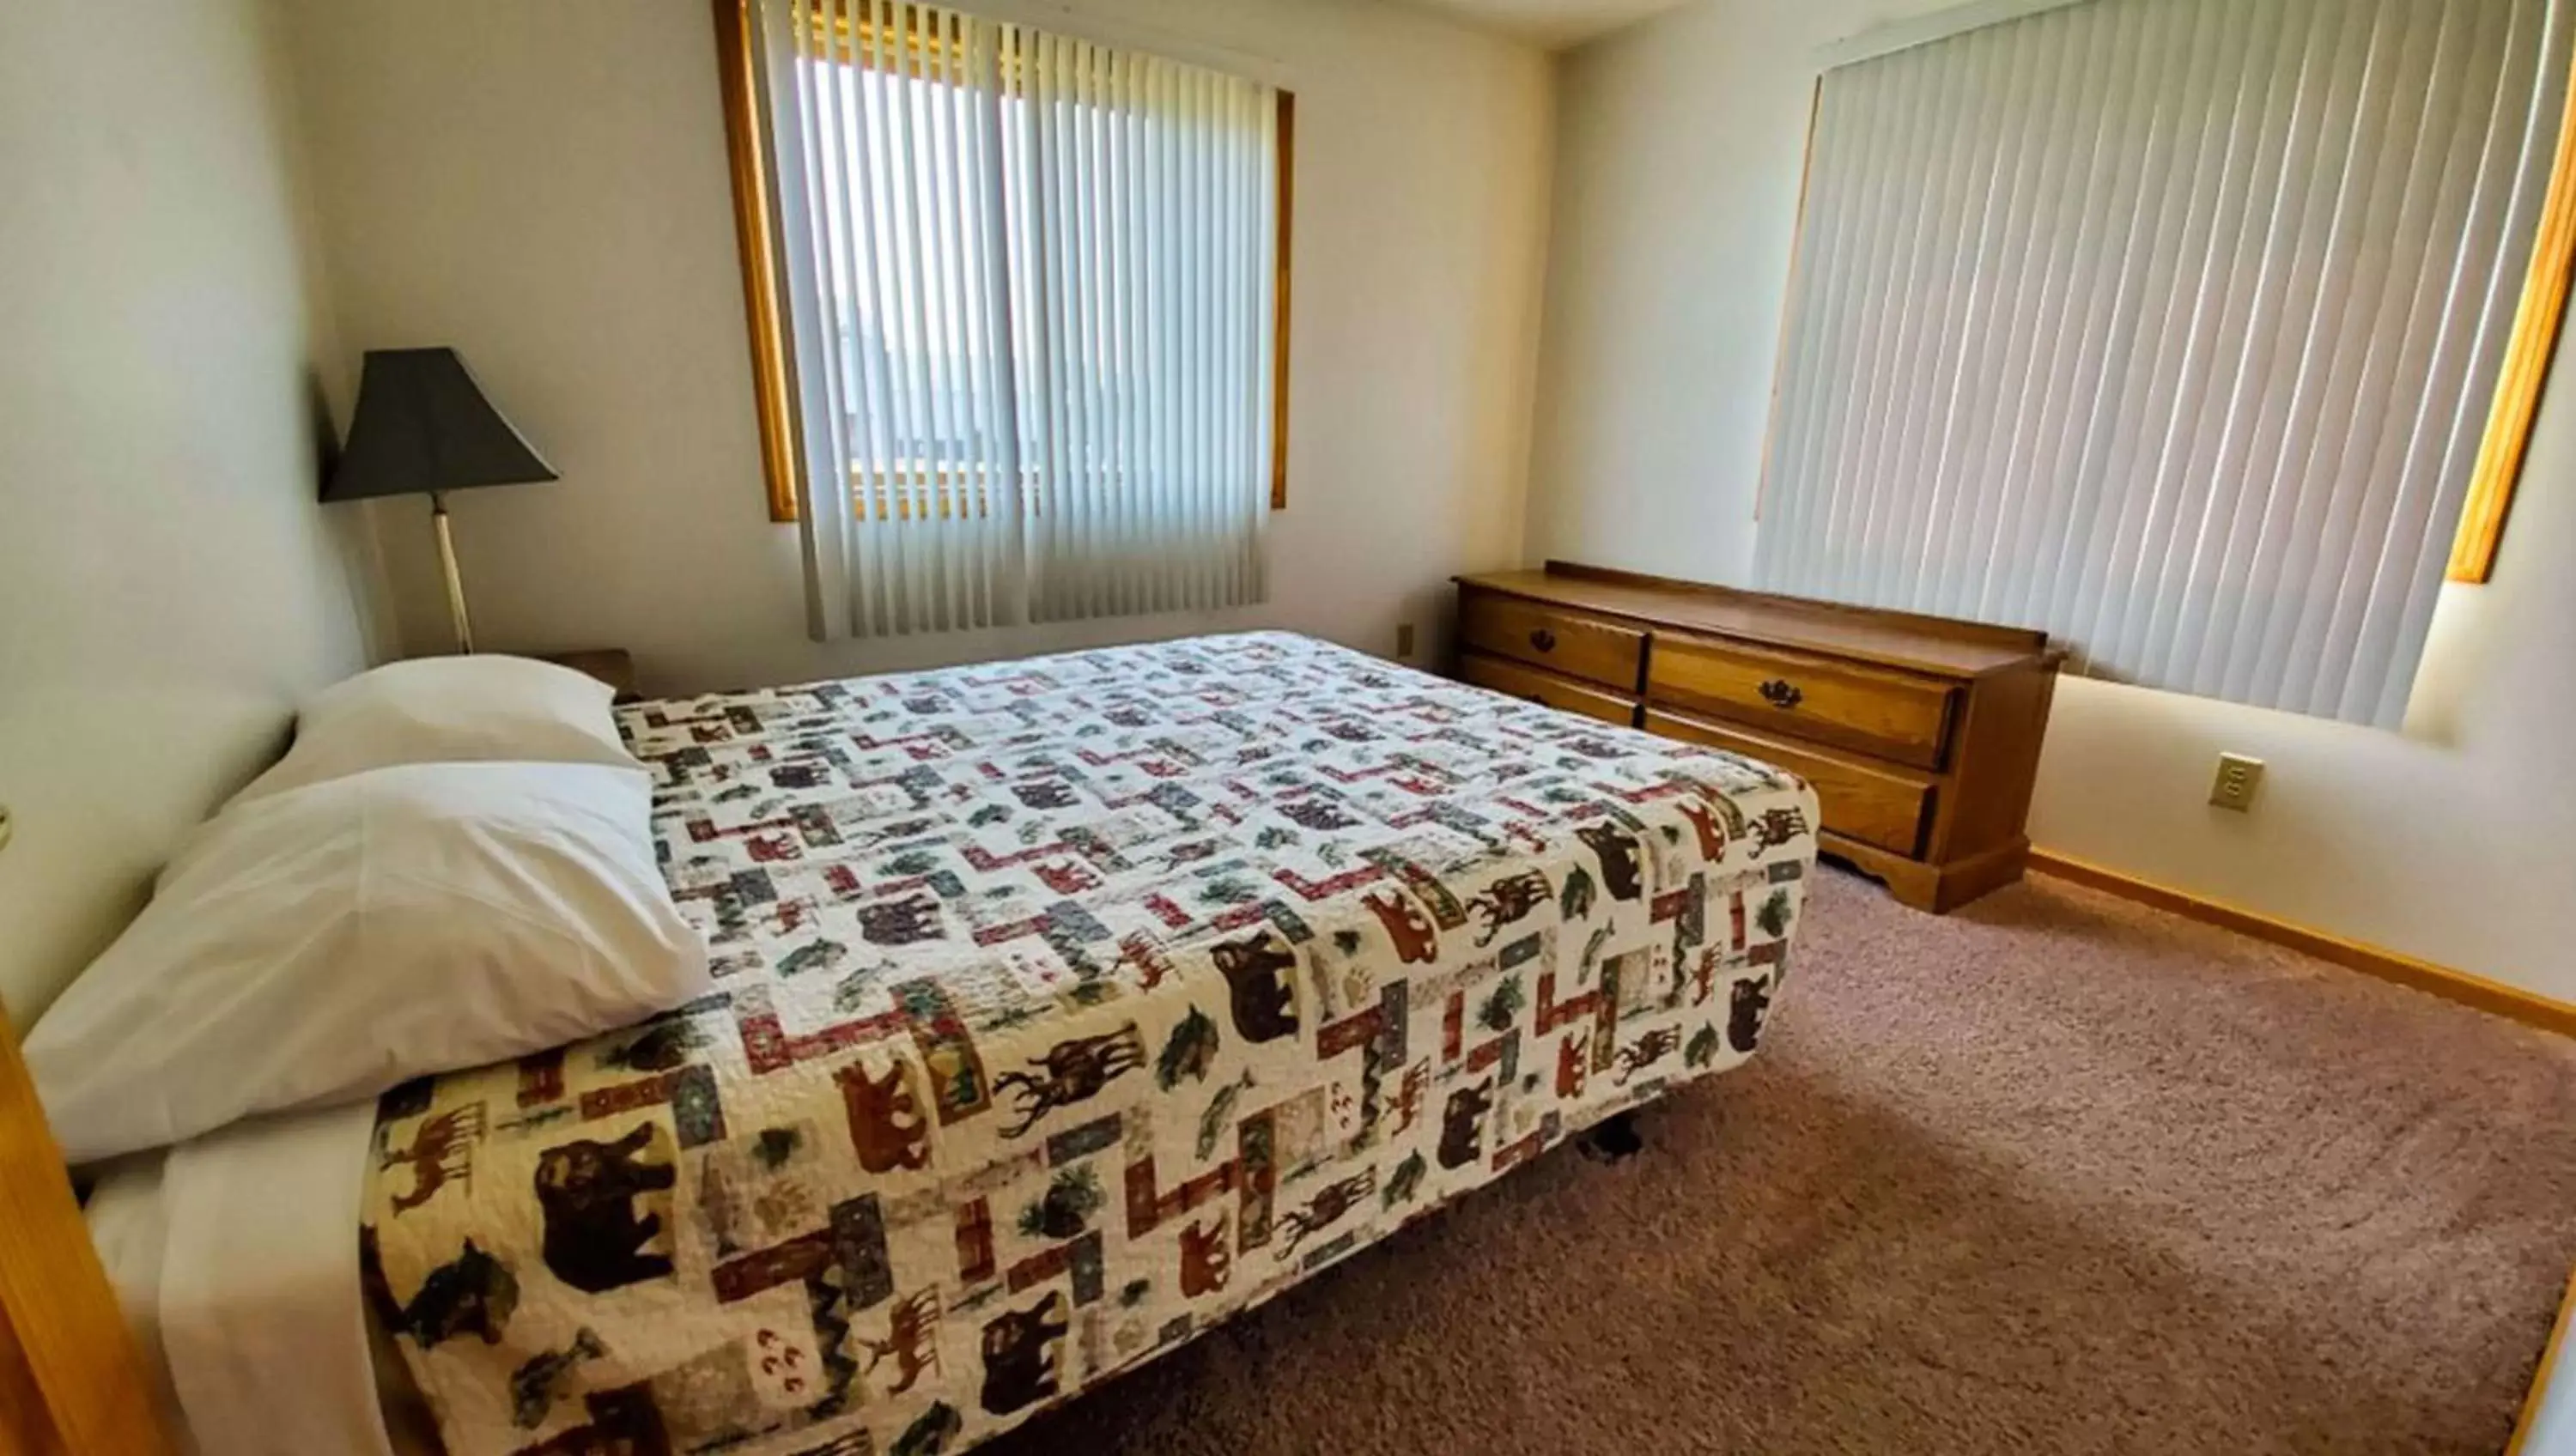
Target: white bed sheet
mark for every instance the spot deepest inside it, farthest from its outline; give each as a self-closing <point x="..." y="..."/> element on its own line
<point x="130" y="1224"/>
<point x="235" y="1260"/>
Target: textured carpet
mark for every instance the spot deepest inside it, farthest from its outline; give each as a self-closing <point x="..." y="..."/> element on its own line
<point x="2055" y="1174"/>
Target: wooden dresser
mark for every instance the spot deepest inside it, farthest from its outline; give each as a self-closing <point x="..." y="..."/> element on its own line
<point x="1920" y="734"/>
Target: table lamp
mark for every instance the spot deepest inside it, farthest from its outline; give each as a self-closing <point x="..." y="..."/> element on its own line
<point x="423" y="427"/>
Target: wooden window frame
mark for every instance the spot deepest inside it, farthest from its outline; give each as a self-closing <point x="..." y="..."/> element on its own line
<point x="2533" y="343"/>
<point x="754" y="229"/>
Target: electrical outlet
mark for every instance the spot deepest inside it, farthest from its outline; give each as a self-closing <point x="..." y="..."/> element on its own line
<point x="1404" y="641"/>
<point x="2238" y="778"/>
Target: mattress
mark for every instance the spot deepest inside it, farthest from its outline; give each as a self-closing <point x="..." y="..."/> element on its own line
<point x="1064" y="1007"/>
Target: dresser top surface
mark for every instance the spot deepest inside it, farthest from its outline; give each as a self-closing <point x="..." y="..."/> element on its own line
<point x="1891" y="639"/>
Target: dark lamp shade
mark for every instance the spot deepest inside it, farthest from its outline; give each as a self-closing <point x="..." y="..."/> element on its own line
<point x="423" y="425"/>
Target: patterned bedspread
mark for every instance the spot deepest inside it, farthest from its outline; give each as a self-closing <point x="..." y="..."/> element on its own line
<point x="1065" y="1007"/>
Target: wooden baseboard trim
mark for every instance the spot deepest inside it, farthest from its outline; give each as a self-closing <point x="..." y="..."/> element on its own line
<point x="2540" y="1376"/>
<point x="2491" y="996"/>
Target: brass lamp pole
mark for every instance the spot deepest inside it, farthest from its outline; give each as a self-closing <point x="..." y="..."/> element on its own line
<point x="447" y="571"/>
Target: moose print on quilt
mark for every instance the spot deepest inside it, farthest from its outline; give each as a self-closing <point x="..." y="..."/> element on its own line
<point x="1063" y="1008"/>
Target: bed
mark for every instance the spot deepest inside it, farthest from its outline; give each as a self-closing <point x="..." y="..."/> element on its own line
<point x="1061" y="1008"/>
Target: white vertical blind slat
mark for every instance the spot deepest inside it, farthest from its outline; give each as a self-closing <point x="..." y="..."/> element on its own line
<point x="1192" y="526"/>
<point x="1030" y="330"/>
<point x="1137" y="589"/>
<point x="2166" y="325"/>
<point x="1008" y="472"/>
<point x="1169" y="571"/>
<point x="972" y="479"/>
<point x="922" y="303"/>
<point x="855" y="280"/>
<point x="882" y="285"/>
<point x="1073" y="103"/>
<point x="869" y="289"/>
<point x="1251" y="562"/>
<point x="1202" y="362"/>
<point x="1109" y="583"/>
<point x="898" y="288"/>
<point x="943" y="487"/>
<point x="983" y="477"/>
<point x="821" y="543"/>
<point x="1242" y="335"/>
<point x="1122" y="559"/>
<point x="1043" y="329"/>
<point x="1072" y="530"/>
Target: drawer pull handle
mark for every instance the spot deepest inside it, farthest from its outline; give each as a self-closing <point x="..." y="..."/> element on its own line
<point x="1543" y="639"/>
<point x="1779" y="692"/>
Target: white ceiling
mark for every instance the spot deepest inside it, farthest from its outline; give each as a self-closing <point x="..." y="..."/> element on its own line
<point x="1551" y="23"/>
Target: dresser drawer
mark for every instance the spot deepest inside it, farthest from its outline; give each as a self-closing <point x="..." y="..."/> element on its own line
<point x="1884" y="713"/>
<point x="1561" y="693"/>
<point x="1873" y="803"/>
<point x="1591" y="648"/>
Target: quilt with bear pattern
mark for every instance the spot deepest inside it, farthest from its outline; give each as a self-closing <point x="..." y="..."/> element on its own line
<point x="1063" y="1007"/>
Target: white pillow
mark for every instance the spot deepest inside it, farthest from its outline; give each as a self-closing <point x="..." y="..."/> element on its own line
<point x="323" y="945"/>
<point x="485" y="708"/>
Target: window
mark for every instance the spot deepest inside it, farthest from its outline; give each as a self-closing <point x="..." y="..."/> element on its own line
<point x="2177" y="327"/>
<point x="1017" y="305"/>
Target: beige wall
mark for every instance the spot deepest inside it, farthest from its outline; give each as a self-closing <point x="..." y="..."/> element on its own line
<point x="168" y="588"/>
<point x="1679" y="154"/>
<point x="549" y="194"/>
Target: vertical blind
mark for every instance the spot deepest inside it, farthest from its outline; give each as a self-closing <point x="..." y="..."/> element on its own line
<point x="2170" y="326"/>
<point x="1027" y="284"/>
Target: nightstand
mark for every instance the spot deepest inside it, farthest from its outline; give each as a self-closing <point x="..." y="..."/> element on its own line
<point x="611" y="665"/>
